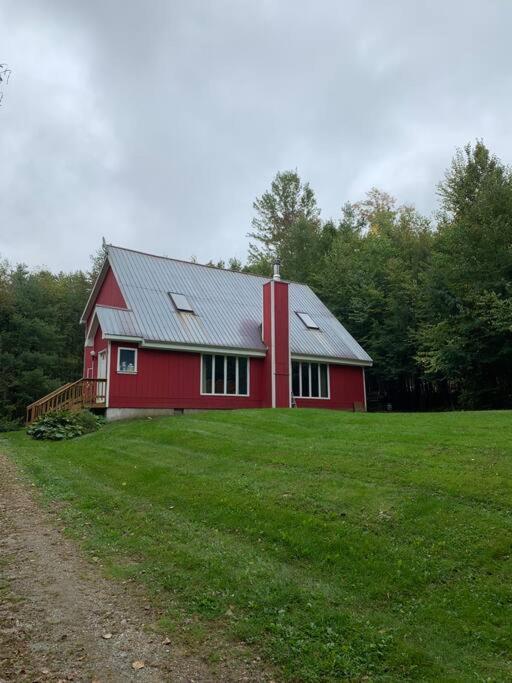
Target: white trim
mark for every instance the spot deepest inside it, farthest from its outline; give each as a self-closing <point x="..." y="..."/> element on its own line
<point x="102" y="353"/>
<point x="236" y="378"/>
<point x="194" y="348"/>
<point x="109" y="354"/>
<point x="205" y="393"/>
<point x="273" y="341"/>
<point x="313" y="398"/>
<point x="289" y="355"/>
<point x="332" y="361"/>
<point x="123" y="337"/>
<point x="127" y="348"/>
<point x="364" y="387"/>
<point x="89" y="336"/>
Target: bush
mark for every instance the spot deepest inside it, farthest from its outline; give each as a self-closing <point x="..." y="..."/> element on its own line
<point x="62" y="425"/>
<point x="7" y="425"/>
<point x="90" y="422"/>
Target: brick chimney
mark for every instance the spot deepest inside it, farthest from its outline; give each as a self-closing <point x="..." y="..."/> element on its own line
<point x="276" y="336"/>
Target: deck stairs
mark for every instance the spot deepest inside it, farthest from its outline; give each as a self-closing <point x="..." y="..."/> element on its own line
<point x="84" y="393"/>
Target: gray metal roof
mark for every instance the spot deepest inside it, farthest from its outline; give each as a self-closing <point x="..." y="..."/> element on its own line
<point x="227" y="308"/>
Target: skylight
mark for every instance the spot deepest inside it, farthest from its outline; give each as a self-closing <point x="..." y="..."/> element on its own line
<point x="308" y="321"/>
<point x="181" y="302"/>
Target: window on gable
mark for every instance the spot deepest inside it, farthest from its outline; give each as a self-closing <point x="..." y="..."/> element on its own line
<point x="310" y="380"/>
<point x="308" y="321"/>
<point x="181" y="302"/>
<point x="224" y="375"/>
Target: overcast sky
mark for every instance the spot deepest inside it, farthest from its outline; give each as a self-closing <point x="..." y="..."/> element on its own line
<point x="156" y="123"/>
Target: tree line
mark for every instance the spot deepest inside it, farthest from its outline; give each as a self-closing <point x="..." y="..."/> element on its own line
<point x="429" y="299"/>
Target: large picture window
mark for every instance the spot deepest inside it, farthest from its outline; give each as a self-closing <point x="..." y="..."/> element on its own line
<point x="310" y="380"/>
<point x="224" y="375"/>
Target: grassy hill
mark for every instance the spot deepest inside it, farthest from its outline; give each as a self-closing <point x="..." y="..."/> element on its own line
<point x="335" y="545"/>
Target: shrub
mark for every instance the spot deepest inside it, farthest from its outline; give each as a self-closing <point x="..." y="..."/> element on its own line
<point x="61" y="425"/>
<point x="89" y="421"/>
<point x="7" y="425"/>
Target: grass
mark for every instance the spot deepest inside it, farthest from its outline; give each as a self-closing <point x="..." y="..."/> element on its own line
<point x="359" y="546"/>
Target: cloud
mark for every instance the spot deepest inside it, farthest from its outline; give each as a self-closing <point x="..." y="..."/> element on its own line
<point x="156" y="124"/>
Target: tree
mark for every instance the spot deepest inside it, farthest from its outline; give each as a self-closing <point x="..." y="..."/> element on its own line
<point x="277" y="211"/>
<point x="370" y="279"/>
<point x="97" y="260"/>
<point x="465" y="333"/>
<point x="41" y="341"/>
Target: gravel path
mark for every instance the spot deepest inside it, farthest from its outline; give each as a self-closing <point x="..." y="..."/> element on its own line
<point x="61" y="620"/>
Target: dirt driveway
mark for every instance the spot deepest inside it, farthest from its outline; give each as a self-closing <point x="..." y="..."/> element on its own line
<point x="61" y="620"/>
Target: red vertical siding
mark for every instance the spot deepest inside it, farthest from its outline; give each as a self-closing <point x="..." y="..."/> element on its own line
<point x="267" y="340"/>
<point x="109" y="295"/>
<point x="90" y="362"/>
<point x="276" y="321"/>
<point x="346" y="388"/>
<point x="172" y="379"/>
<point x="282" y="344"/>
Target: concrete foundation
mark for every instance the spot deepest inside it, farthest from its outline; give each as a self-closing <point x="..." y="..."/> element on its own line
<point x="112" y="414"/>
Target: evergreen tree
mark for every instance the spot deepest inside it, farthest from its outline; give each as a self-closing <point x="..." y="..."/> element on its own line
<point x="277" y="211"/>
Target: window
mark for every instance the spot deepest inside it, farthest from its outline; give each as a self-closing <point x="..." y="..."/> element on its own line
<point x="308" y="321"/>
<point x="310" y="380"/>
<point x="181" y="302"/>
<point x="126" y="360"/>
<point x="224" y="375"/>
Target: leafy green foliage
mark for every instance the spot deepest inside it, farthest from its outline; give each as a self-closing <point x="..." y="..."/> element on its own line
<point x="61" y="425"/>
<point x="7" y="425"/>
<point x="338" y="546"/>
<point x="41" y="340"/>
<point x="429" y="300"/>
<point x="289" y="202"/>
<point x="370" y="278"/>
<point x="466" y="302"/>
<point x="430" y="303"/>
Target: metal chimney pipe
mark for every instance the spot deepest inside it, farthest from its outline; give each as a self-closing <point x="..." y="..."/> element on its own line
<point x="277" y="265"/>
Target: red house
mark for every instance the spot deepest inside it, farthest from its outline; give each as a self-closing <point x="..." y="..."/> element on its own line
<point x="171" y="336"/>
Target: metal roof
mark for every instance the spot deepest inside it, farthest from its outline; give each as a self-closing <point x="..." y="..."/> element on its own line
<point x="227" y="309"/>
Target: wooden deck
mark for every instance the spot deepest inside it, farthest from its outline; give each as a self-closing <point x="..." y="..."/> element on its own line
<point x="84" y="393"/>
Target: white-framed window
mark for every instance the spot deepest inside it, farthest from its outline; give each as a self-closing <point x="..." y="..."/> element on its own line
<point x="126" y="360"/>
<point x="224" y="375"/>
<point x="310" y="380"/>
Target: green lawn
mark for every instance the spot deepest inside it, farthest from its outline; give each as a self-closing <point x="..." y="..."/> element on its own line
<point x="334" y="544"/>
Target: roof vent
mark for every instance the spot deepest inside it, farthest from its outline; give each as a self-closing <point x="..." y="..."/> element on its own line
<point x="181" y="302"/>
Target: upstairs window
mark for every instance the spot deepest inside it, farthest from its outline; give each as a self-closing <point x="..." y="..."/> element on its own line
<point x="181" y="302"/>
<point x="310" y="380"/>
<point x="224" y="375"/>
<point x="308" y="321"/>
<point x="127" y="360"/>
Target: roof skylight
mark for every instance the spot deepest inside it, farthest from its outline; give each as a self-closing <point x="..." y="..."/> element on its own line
<point x="308" y="321"/>
<point x="181" y="302"/>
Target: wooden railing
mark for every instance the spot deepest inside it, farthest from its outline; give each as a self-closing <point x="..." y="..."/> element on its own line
<point x="84" y="393"/>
